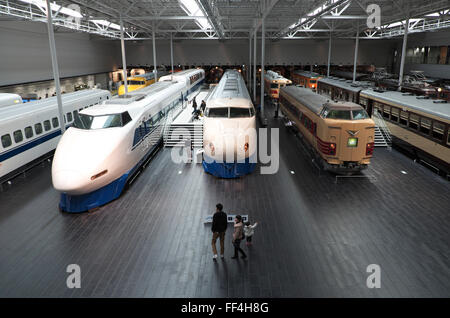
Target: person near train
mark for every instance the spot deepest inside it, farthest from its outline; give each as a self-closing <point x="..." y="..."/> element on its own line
<point x="219" y="227"/>
<point x="203" y="106"/>
<point x="194" y="105"/>
<point x="249" y="230"/>
<point x="238" y="236"/>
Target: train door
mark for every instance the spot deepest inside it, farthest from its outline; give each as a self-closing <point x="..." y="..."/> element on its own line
<point x="369" y="107"/>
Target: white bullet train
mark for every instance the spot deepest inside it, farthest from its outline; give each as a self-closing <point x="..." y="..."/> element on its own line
<point x="7" y="99"/>
<point x="229" y="129"/>
<point x="30" y="132"/>
<point x="109" y="143"/>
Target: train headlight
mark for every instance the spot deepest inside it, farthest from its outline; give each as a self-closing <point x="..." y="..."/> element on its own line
<point x="98" y="175"/>
<point x="332" y="149"/>
<point x="352" y="142"/>
<point x="246" y="146"/>
<point x="369" y="148"/>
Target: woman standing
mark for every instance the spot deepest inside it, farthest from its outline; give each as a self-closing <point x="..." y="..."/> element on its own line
<point x="238" y="235"/>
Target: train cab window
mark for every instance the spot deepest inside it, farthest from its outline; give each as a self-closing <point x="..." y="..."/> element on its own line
<point x="403" y="118"/>
<point x="394" y="114"/>
<point x="83" y="121"/>
<point x="18" y="136"/>
<point x="55" y="122"/>
<point x="414" y="121"/>
<point x="28" y="132"/>
<point x="236" y="112"/>
<point x="359" y="114"/>
<point x="6" y="140"/>
<point x="273" y="85"/>
<point x="126" y="118"/>
<point x="220" y="112"/>
<point x="339" y="114"/>
<point x="38" y="128"/>
<point x="438" y="130"/>
<point x="425" y="125"/>
<point x="69" y="117"/>
<point x="312" y="81"/>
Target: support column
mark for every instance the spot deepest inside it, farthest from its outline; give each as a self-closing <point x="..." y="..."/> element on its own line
<point x="171" y="51"/>
<point x="51" y="39"/>
<point x="329" y="55"/>
<point x="155" y="70"/>
<point x="249" y="68"/>
<point x="402" y="61"/>
<point x="254" y="65"/>
<point x="356" y="53"/>
<point x="124" y="61"/>
<point x="262" y="66"/>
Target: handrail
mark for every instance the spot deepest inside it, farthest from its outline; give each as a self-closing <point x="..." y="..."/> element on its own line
<point x="381" y="124"/>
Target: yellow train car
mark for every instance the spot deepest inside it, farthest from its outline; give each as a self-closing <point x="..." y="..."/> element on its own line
<point x="273" y="82"/>
<point x="306" y="79"/>
<point x="341" y="134"/>
<point x="419" y="126"/>
<point x="137" y="82"/>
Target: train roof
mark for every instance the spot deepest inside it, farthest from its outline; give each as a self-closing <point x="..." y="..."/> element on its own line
<point x="399" y="99"/>
<point x="345" y="84"/>
<point x="307" y="74"/>
<point x="231" y="91"/>
<point x="273" y="76"/>
<point x="314" y="101"/>
<point x="9" y="112"/>
<point x="147" y="76"/>
<point x="347" y="74"/>
<point x="8" y="99"/>
<point x="121" y="103"/>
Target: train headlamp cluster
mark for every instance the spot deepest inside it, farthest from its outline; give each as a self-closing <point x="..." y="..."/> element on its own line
<point x="352" y="142"/>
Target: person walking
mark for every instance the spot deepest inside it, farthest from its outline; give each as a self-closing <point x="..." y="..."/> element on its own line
<point x="219" y="227"/>
<point x="238" y="235"/>
<point x="203" y="106"/>
<point x="249" y="230"/>
<point x="194" y="105"/>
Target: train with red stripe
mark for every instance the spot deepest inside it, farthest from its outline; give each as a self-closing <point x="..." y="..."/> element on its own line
<point x="341" y="134"/>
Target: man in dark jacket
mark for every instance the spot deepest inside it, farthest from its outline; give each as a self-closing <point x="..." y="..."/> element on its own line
<point x="219" y="227"/>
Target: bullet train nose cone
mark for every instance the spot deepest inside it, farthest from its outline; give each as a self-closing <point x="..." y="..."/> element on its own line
<point x="69" y="181"/>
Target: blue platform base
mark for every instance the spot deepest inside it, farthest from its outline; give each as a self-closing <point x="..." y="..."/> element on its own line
<point x="228" y="170"/>
<point x="85" y="202"/>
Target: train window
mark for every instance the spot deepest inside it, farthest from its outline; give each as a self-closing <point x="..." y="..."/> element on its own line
<point x="69" y="117"/>
<point x="55" y="122"/>
<point x="394" y="114"/>
<point x="448" y="138"/>
<point x="6" y="141"/>
<point x="425" y="125"/>
<point x="28" y="132"/>
<point x="75" y="112"/>
<point x="339" y="114"/>
<point x="413" y="121"/>
<point x="126" y="118"/>
<point x="273" y="85"/>
<point x="47" y="125"/>
<point x="438" y="130"/>
<point x="83" y="121"/>
<point x="312" y="81"/>
<point x="38" y="128"/>
<point x="359" y="114"/>
<point x="220" y="112"/>
<point x="403" y="118"/>
<point x="386" y="111"/>
<point x="236" y="112"/>
<point x="252" y="112"/>
<point x="18" y="136"/>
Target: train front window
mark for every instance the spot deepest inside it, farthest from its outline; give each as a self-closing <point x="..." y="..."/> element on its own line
<point x="83" y="121"/>
<point x="359" y="114"/>
<point x="236" y="112"/>
<point x="136" y="83"/>
<point x="220" y="112"/>
<point x="274" y="85"/>
<point x="339" y="114"/>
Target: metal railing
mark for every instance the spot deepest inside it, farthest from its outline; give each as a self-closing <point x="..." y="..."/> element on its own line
<point x="381" y="124"/>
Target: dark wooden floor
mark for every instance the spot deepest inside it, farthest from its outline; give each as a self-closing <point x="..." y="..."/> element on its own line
<point x="316" y="238"/>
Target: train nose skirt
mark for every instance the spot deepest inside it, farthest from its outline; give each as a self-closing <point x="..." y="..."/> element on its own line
<point x="228" y="170"/>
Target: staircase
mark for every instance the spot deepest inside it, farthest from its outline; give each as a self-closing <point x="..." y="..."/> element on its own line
<point x="178" y="133"/>
<point x="382" y="133"/>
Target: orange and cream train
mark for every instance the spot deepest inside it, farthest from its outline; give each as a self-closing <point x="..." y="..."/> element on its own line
<point x="341" y="134"/>
<point x="273" y="82"/>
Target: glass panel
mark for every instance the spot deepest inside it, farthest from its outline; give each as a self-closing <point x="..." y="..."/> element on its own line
<point x="221" y="112"/>
<point x="18" y="136"/>
<point x="438" y="130"/>
<point x="38" y="128"/>
<point x="47" y="125"/>
<point x="273" y="85"/>
<point x="236" y="112"/>
<point x="69" y="117"/>
<point x="55" y="122"/>
<point x="28" y="132"/>
<point x="83" y="121"/>
<point x="359" y="114"/>
<point x="413" y="121"/>
<point x="403" y="118"/>
<point x="338" y="114"/>
<point x="425" y="125"/>
<point x="6" y="141"/>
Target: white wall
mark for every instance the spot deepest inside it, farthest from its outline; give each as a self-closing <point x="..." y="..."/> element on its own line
<point x="281" y="52"/>
<point x="25" y="53"/>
